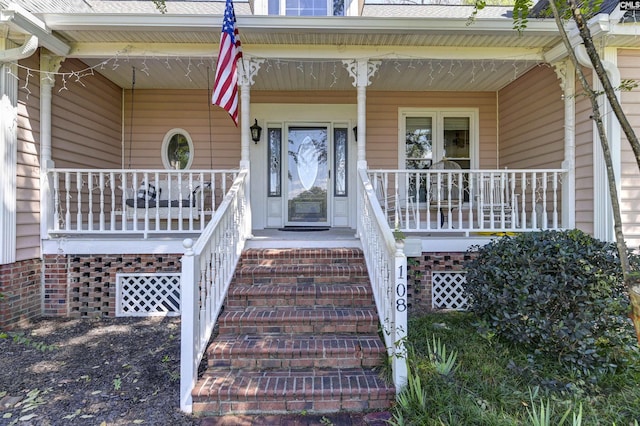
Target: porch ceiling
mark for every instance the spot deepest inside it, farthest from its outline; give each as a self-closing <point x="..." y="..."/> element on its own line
<point x="297" y="60"/>
<point x="422" y="74"/>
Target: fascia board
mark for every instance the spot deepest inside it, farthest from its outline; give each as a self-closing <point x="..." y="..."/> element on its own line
<point x="392" y="52"/>
<point x="81" y="50"/>
<point x="23" y="20"/>
<point x="627" y="29"/>
<point x="146" y="22"/>
<point x="599" y="25"/>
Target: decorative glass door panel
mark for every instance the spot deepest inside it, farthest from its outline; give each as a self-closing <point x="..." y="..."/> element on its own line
<point x="307" y="176"/>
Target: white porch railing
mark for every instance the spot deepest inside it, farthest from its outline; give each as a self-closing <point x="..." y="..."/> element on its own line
<point x="207" y="269"/>
<point x="470" y="201"/>
<point x="387" y="266"/>
<point x="118" y="201"/>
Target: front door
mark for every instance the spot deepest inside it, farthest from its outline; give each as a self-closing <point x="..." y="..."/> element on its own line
<point x="308" y="177"/>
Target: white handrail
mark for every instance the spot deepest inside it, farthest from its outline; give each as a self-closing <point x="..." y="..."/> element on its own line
<point x="140" y="201"/>
<point x="387" y="267"/>
<point x="208" y="266"/>
<point x="468" y="201"/>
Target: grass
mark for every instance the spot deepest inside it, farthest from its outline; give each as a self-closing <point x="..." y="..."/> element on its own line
<point x="497" y="383"/>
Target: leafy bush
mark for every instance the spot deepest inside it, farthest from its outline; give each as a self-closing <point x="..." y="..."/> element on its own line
<point x="558" y="292"/>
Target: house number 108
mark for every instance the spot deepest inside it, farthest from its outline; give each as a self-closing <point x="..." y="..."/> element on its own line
<point x="401" y="291"/>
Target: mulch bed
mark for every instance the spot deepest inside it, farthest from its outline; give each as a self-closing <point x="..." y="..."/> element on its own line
<point x="114" y="371"/>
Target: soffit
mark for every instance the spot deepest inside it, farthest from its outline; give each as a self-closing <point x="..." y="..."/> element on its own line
<point x="285" y="75"/>
<point x="310" y="37"/>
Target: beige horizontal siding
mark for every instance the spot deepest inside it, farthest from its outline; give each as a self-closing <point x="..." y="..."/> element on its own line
<point x="628" y="63"/>
<point x="584" y="161"/>
<point x="86" y="120"/>
<point x="305" y="97"/>
<point x="156" y="112"/>
<point x="531" y="114"/>
<point x="28" y="163"/>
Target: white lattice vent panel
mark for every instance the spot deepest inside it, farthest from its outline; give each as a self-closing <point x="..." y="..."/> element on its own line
<point x="448" y="291"/>
<point x="149" y="294"/>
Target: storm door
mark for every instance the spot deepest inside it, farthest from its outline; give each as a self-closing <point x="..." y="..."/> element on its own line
<point x="307" y="181"/>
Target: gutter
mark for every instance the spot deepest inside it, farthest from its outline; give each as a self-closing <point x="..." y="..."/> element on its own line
<point x="599" y="26"/>
<point x="612" y="70"/>
<point x="27" y="49"/>
<point x="288" y="24"/>
<point x="23" y="21"/>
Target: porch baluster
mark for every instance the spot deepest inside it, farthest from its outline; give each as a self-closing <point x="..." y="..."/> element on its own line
<point x="534" y="200"/>
<point x="555" y="200"/>
<point x="112" y="194"/>
<point x="56" y="201"/>
<point x="79" y="201"/>
<point x="523" y="201"/>
<point x="67" y="187"/>
<point x="544" y="199"/>
<point x="90" y="198"/>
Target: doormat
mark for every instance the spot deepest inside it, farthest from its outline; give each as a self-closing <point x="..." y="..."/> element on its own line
<point x="304" y="228"/>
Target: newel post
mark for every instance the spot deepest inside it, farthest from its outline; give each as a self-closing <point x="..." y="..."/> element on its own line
<point x="399" y="360"/>
<point x="189" y="330"/>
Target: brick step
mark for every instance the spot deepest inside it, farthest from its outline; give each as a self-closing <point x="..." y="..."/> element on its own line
<point x="265" y="320"/>
<point x="225" y="391"/>
<point x="273" y="295"/>
<point x="301" y="256"/>
<point x="262" y="352"/>
<point x="301" y="274"/>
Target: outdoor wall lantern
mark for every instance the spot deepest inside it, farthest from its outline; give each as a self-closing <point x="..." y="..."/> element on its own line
<point x="256" y="131"/>
<point x="355" y="132"/>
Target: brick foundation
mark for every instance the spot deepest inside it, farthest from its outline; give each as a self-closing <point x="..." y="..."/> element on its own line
<point x="419" y="276"/>
<point x="20" y="285"/>
<point x="85" y="285"/>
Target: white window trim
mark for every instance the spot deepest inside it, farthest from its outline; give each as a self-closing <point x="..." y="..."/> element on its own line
<point x="438" y="115"/>
<point x="262" y="8"/>
<point x="165" y="144"/>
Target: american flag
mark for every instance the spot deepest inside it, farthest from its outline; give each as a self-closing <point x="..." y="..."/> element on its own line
<point x="225" y="88"/>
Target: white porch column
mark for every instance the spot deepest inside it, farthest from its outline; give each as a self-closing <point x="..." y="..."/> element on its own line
<point x="361" y="71"/>
<point x="48" y="64"/>
<point x="8" y="159"/>
<point x="245" y="112"/>
<point x="10" y="53"/>
<point x="602" y="213"/>
<point x="247" y="71"/>
<point x="566" y="72"/>
<point x="246" y="75"/>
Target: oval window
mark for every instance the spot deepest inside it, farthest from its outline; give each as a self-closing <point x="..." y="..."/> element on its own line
<point x="177" y="150"/>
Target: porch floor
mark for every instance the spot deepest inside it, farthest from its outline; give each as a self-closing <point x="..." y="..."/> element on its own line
<point x="332" y="237"/>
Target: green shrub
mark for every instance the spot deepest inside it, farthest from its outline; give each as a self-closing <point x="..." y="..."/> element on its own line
<point x="559" y="293"/>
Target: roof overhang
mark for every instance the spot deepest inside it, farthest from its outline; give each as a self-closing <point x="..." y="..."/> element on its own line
<point x="609" y="27"/>
<point x="147" y="40"/>
<point x="291" y="25"/>
<point x="20" y="21"/>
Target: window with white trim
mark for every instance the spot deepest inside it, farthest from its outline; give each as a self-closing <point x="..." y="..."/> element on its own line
<point x="429" y="135"/>
<point x="177" y="150"/>
<point x="306" y="7"/>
